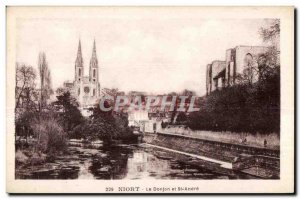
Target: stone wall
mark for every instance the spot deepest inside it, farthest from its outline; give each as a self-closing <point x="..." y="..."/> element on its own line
<point x="213" y="149"/>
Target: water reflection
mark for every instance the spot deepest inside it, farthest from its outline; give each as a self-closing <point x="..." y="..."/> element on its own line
<point x="122" y="162"/>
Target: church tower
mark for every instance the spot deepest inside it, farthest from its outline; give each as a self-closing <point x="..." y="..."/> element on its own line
<point x="86" y="89"/>
<point x="93" y="72"/>
<point x="79" y="72"/>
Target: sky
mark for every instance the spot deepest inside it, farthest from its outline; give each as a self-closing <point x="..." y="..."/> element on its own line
<point x="140" y="53"/>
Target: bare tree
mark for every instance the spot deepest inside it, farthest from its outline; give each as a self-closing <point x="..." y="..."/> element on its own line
<point x="269" y="63"/>
<point x="45" y="80"/>
<point x="271" y="33"/>
<point x="25" y="83"/>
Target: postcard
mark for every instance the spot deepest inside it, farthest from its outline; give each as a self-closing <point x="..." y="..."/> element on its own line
<point x="152" y="100"/>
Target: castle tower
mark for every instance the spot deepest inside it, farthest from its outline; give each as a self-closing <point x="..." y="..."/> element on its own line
<point x="93" y="72"/>
<point x="79" y="70"/>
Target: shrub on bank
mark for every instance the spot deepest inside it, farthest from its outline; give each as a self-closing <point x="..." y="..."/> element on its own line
<point x="21" y="158"/>
<point x="49" y="134"/>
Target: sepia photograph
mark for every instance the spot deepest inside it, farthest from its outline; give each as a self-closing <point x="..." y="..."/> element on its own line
<point x="150" y="99"/>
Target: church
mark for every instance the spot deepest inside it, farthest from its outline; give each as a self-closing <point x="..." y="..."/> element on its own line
<point x="86" y="89"/>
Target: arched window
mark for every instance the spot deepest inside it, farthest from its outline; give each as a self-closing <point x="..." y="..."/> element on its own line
<point x="94" y="92"/>
<point x="78" y="91"/>
<point x="249" y="68"/>
<point x="94" y="73"/>
<point x="248" y="60"/>
<point x="79" y="72"/>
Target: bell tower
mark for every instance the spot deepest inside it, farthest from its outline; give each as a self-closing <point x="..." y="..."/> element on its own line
<point x="79" y="72"/>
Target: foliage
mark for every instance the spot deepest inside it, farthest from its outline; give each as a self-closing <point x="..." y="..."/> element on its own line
<point x="271" y="32"/>
<point x="106" y="126"/>
<point x="23" y="122"/>
<point x="69" y="114"/>
<point x="241" y="108"/>
<point x="50" y="135"/>
<point x="164" y="124"/>
<point x="21" y="158"/>
<point x="181" y="118"/>
<point x="185" y="92"/>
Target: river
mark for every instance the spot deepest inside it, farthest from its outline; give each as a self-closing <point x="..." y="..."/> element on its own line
<point x="125" y="162"/>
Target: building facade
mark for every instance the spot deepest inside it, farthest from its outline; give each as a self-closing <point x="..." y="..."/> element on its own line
<point x="86" y="89"/>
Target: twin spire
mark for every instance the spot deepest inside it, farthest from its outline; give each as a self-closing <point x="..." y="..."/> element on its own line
<point x="79" y="59"/>
<point x="94" y="60"/>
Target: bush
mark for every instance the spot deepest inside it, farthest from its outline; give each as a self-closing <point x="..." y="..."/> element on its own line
<point x="21" y="158"/>
<point x="49" y="133"/>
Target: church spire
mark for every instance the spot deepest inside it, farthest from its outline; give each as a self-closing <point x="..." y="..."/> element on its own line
<point x="94" y="65"/>
<point x="79" y="54"/>
<point x="94" y="46"/>
<point x="94" y="60"/>
<point x="94" y="54"/>
<point x="79" y="64"/>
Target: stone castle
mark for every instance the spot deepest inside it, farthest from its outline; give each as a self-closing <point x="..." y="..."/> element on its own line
<point x="240" y="61"/>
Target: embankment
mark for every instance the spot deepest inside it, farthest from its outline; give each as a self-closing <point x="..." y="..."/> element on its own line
<point x="241" y="156"/>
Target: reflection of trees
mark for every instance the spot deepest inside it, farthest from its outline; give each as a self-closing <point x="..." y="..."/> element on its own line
<point x="137" y="164"/>
<point x="114" y="166"/>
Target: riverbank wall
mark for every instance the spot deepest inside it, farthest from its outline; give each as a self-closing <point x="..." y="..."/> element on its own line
<point x="242" y="157"/>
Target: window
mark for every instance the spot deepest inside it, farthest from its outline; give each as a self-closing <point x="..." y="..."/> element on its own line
<point x="94" y="73"/>
<point x="86" y="89"/>
<point x="248" y="68"/>
<point x="94" y="92"/>
<point x="79" y="72"/>
<point x="154" y="127"/>
<point x="248" y="60"/>
<point x="78" y="91"/>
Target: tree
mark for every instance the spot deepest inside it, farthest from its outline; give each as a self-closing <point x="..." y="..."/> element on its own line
<point x="271" y="33"/>
<point x="164" y="124"/>
<point x="67" y="106"/>
<point x="106" y="126"/>
<point x="45" y="80"/>
<point x="25" y="84"/>
<point x="181" y="118"/>
<point x="269" y="63"/>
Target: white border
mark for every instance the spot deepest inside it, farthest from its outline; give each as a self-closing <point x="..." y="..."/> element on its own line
<point x="91" y="2"/>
